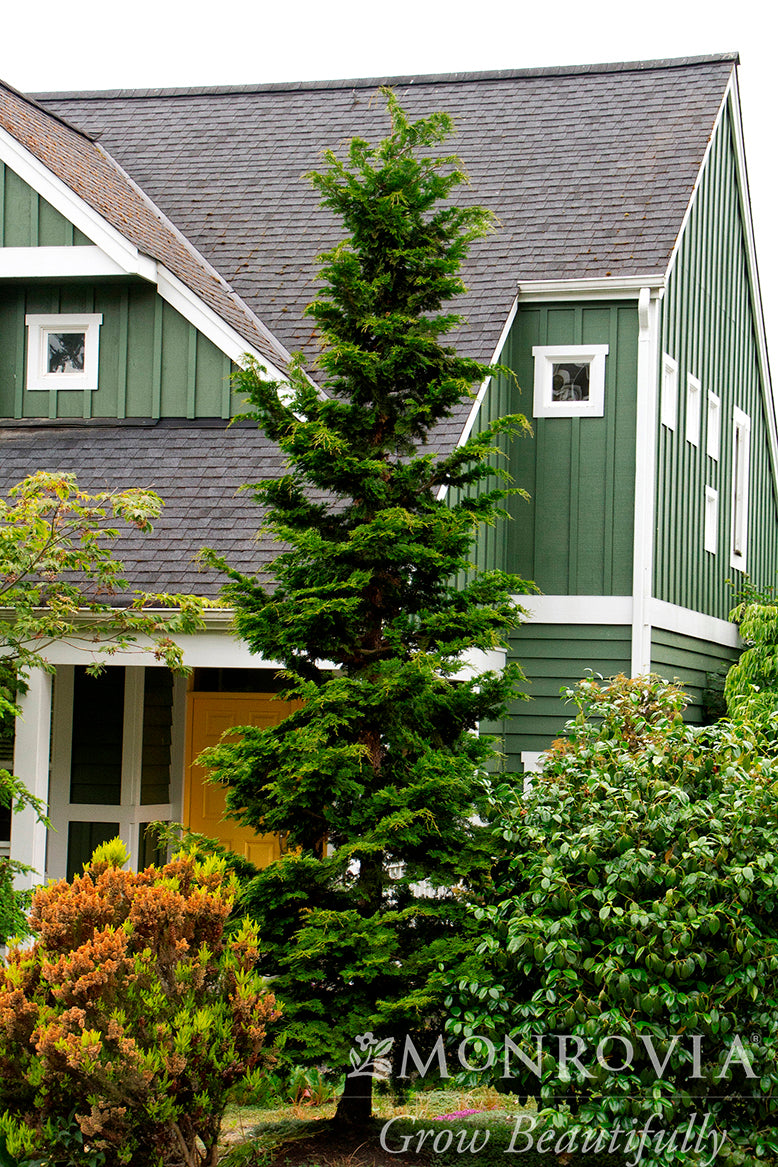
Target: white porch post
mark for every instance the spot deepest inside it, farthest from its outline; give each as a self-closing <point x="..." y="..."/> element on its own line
<point x="31" y="765"/>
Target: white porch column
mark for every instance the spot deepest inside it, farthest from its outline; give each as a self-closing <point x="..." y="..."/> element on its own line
<point x="31" y="765"/>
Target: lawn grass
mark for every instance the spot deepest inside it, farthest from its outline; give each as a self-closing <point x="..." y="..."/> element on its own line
<point x="302" y="1136"/>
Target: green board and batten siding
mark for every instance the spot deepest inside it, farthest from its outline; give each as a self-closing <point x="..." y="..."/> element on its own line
<point x="153" y="362"/>
<point x="574" y="535"/>
<point x="27" y="220"/>
<point x="708" y="328"/>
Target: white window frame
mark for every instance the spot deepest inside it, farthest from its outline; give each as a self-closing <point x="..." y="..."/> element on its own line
<point x="713" y="437"/>
<point x="40" y="325"/>
<point x="129" y="813"/>
<point x="693" y="409"/>
<point x="548" y="355"/>
<point x="669" y="407"/>
<point x="741" y="457"/>
<point x="711" y="536"/>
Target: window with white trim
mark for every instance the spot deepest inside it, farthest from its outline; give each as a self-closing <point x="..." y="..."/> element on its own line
<point x="693" y="409"/>
<point x="713" y="440"/>
<point x="711" y="520"/>
<point x="741" y="453"/>
<point x="569" y="380"/>
<point x="63" y="351"/>
<point x="669" y="406"/>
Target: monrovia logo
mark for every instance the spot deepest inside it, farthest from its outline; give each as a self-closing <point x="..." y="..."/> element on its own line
<point x="476" y="1054"/>
<point x="371" y="1060"/>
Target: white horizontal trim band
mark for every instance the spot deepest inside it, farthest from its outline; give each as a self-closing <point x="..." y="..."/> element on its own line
<point x="56" y="262"/>
<point x="220" y="649"/>
<point x="596" y="288"/>
<point x="687" y="622"/>
<point x="202" y="650"/>
<point x="577" y="609"/>
<point x="618" y="610"/>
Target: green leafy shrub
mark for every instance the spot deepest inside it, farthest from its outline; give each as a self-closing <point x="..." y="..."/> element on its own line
<point x="123" y="1027"/>
<point x="14" y="904"/>
<point x="638" y="903"/>
<point x="751" y="687"/>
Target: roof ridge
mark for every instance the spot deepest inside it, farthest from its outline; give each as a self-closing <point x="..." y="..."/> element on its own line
<point x="42" y="109"/>
<point x="406" y="79"/>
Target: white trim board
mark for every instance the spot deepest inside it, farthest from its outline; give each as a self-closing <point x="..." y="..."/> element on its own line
<point x="201" y="650"/>
<point x="591" y="288"/>
<point x="31" y="765"/>
<point x="221" y="649"/>
<point x="698" y="179"/>
<point x="127" y="257"/>
<point x="473" y="414"/>
<point x="209" y="323"/>
<point x="687" y="622"/>
<point x="645" y="476"/>
<point x="617" y="610"/>
<point x="56" y="263"/>
<point x="753" y="271"/>
<point x="577" y="609"/>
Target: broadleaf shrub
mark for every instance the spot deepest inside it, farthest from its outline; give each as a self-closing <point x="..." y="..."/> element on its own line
<point x="124" y="1026"/>
<point x="751" y="688"/>
<point x="637" y="906"/>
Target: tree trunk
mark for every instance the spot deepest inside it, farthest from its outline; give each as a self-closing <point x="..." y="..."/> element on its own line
<point x="355" y="1107"/>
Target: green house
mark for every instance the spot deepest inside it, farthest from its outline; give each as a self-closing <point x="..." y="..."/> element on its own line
<point x="149" y="239"/>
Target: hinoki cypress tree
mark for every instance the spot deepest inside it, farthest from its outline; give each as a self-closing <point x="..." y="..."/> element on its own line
<point x="373" y="777"/>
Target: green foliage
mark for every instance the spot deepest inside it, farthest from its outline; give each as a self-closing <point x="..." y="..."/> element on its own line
<point x="59" y="577"/>
<point x="14" y="905"/>
<point x="751" y="688"/>
<point x="372" y="776"/>
<point x="59" y="580"/>
<point x="126" y="1023"/>
<point x="638" y="900"/>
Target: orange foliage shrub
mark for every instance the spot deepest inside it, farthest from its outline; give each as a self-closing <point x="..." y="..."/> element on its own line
<point x="131" y="1016"/>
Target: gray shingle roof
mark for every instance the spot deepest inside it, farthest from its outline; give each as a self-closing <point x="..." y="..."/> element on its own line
<point x="589" y="170"/>
<point x="95" y="176"/>
<point x="197" y="468"/>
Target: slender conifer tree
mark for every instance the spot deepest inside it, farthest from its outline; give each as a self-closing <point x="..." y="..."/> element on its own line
<point x="372" y="605"/>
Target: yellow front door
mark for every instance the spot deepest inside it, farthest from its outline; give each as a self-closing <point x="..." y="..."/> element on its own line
<point x="210" y="715"/>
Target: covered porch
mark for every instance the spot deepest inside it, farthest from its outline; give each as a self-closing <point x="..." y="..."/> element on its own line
<point x="110" y="754"/>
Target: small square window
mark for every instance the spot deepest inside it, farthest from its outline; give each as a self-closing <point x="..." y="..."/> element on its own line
<point x="62" y="351"/>
<point x="569" y="380"/>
